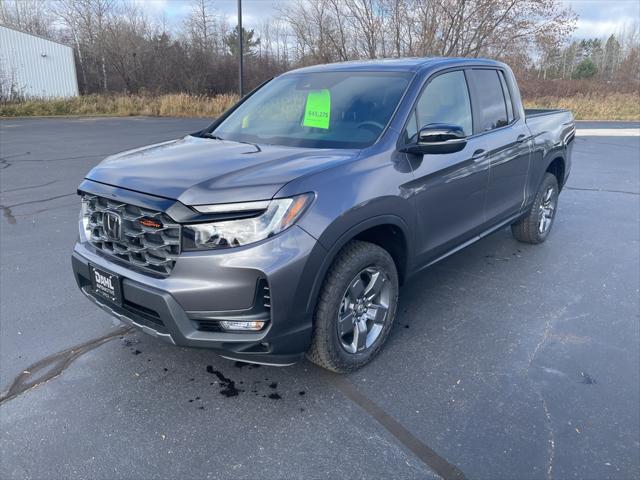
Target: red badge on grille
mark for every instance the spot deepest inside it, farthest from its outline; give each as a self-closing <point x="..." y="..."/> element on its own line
<point x="150" y="222"/>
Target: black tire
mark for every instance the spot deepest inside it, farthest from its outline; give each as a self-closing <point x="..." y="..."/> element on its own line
<point x="354" y="260"/>
<point x="529" y="228"/>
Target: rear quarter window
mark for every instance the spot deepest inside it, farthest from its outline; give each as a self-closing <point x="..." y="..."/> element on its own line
<point x="507" y="97"/>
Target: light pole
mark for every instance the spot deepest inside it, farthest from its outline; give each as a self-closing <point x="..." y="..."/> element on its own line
<point x="240" y="46"/>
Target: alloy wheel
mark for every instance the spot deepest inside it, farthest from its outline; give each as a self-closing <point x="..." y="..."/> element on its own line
<point x="547" y="210"/>
<point x="364" y="310"/>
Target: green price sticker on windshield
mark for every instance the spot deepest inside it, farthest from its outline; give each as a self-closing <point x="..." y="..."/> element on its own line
<point x="317" y="113"/>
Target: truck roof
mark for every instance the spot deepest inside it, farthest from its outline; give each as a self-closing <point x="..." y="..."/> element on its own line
<point x="408" y="64"/>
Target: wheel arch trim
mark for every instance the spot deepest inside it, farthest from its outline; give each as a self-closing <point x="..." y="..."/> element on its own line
<point x="329" y="254"/>
<point x="557" y="157"/>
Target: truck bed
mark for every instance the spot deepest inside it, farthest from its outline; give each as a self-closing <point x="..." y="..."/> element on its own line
<point x="549" y="129"/>
<point x="558" y="121"/>
<point x="537" y="112"/>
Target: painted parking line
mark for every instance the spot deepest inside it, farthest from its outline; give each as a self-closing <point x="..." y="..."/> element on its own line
<point x="608" y="132"/>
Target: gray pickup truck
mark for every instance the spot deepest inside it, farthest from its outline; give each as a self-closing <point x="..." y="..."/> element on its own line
<point x="288" y="225"/>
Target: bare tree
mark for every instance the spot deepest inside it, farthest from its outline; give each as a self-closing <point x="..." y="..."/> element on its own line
<point x="31" y="16"/>
<point x="119" y="48"/>
<point x="365" y="17"/>
<point x="338" y="34"/>
<point x="88" y="20"/>
<point x="203" y="26"/>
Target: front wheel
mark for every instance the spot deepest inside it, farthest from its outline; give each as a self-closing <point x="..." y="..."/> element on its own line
<point x="536" y="225"/>
<point x="356" y="308"/>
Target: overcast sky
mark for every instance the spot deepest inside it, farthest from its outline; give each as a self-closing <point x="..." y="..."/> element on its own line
<point x="600" y="18"/>
<point x="597" y="18"/>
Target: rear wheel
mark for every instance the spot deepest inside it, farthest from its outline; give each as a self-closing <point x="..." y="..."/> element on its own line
<point x="536" y="225"/>
<point x="356" y="308"/>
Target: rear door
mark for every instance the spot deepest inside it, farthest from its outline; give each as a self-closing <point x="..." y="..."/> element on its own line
<point x="449" y="188"/>
<point x="507" y="138"/>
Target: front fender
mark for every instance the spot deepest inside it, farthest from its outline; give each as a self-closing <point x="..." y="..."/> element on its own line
<point x="337" y="235"/>
<point x="391" y="210"/>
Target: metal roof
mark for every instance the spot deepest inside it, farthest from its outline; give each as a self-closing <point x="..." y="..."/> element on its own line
<point x="34" y="35"/>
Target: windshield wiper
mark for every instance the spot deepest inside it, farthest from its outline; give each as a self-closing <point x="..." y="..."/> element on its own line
<point x="216" y="137"/>
<point x="213" y="136"/>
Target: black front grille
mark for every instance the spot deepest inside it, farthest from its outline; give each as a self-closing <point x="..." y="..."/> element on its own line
<point x="151" y="315"/>
<point x="152" y="248"/>
<point x="209" y="326"/>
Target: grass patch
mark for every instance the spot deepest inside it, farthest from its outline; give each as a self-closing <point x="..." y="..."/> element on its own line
<point x="613" y="106"/>
<point x="173" y="105"/>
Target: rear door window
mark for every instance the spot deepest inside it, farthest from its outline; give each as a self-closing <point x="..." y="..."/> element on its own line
<point x="490" y="100"/>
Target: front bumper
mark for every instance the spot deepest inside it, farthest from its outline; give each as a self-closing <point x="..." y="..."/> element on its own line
<point x="218" y="284"/>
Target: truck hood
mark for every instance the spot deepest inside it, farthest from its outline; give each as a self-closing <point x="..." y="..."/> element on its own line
<point x="199" y="171"/>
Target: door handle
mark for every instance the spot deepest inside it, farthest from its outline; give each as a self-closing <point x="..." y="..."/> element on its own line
<point x="521" y="138"/>
<point x="478" y="155"/>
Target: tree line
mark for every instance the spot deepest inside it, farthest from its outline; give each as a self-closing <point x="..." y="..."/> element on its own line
<point x="615" y="58"/>
<point x="119" y="48"/>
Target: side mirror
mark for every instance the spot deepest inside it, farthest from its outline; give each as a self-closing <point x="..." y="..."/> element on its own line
<point x="438" y="138"/>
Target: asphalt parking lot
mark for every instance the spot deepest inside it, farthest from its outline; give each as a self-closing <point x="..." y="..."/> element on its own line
<point x="507" y="361"/>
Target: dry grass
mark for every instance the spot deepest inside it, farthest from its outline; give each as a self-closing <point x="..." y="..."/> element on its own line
<point x="174" y="105"/>
<point x="614" y="106"/>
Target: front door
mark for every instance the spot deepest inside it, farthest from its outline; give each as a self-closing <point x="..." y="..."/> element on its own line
<point x="449" y="189"/>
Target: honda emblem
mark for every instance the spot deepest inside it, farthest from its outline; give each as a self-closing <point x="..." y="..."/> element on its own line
<point x="112" y="224"/>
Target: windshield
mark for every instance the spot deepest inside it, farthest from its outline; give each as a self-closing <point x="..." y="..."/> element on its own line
<point x="318" y="110"/>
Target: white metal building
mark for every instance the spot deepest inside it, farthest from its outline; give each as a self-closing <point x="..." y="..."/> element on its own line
<point x="36" y="67"/>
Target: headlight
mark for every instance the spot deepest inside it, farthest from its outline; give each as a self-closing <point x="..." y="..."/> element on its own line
<point x="85" y="231"/>
<point x="278" y="215"/>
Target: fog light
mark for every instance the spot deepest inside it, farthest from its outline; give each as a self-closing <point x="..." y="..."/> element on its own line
<point x="254" y="325"/>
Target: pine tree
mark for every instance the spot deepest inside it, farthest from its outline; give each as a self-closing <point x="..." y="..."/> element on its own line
<point x="248" y="43"/>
